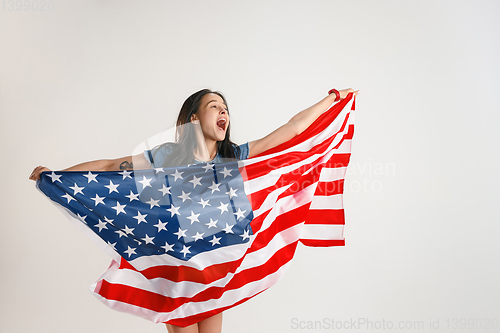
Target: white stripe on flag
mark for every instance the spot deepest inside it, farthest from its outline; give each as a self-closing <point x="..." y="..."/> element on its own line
<point x="269" y="179"/>
<point x="322" y="231"/>
<point x="332" y="174"/>
<point x="200" y="261"/>
<point x="286" y="204"/>
<point x="229" y="298"/>
<point x="306" y="145"/>
<point x="327" y="202"/>
<point x="165" y="287"/>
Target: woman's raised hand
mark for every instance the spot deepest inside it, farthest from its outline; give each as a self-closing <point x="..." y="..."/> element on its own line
<point x="345" y="92"/>
<point x="35" y="175"/>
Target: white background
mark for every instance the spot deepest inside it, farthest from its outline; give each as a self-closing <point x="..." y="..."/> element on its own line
<point x="93" y="79"/>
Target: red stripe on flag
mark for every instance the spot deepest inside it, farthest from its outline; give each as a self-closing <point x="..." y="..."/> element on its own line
<point x="256" y="223"/>
<point x="330" y="188"/>
<point x="257" y="198"/>
<point x="219" y="271"/>
<point x="350" y="132"/>
<point x="322" y="243"/>
<point x="186" y="321"/>
<point x="319" y="125"/>
<point x="281" y="223"/>
<point x="159" y="303"/>
<point x="325" y="216"/>
<point x="262" y="168"/>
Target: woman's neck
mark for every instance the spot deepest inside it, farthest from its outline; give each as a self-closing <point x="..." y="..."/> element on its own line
<point x="206" y="150"/>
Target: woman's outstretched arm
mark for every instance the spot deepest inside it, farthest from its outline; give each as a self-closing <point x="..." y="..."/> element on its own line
<point x="298" y="124"/>
<point x="123" y="163"/>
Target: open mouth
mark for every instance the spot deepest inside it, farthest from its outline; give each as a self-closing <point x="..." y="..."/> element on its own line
<point x="221" y="123"/>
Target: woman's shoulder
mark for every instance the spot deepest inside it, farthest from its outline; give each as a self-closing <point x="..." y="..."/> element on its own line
<point x="157" y="155"/>
<point x="243" y="151"/>
<point x="168" y="146"/>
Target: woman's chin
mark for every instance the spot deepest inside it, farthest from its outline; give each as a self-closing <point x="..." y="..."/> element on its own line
<point x="221" y="136"/>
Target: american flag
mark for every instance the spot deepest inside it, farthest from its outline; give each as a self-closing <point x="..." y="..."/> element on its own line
<point x="191" y="241"/>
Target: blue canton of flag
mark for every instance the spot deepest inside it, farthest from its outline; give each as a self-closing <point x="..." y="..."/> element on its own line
<point x="179" y="211"/>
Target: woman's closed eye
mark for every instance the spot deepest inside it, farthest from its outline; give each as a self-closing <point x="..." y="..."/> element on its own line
<point x="219" y="107"/>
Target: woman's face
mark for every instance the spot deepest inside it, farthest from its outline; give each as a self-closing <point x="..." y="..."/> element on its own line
<point x="213" y="117"/>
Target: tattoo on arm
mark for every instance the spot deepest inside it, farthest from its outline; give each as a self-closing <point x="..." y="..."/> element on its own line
<point x="126" y="165"/>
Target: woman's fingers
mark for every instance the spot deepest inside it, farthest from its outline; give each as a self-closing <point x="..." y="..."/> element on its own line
<point x="345" y="92"/>
<point x="35" y="175"/>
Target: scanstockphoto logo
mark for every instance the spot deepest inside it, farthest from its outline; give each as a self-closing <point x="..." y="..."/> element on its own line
<point x="368" y="177"/>
<point x="361" y="323"/>
<point x="476" y="324"/>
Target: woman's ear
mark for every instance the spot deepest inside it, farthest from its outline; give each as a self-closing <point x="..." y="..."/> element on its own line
<point x="194" y="119"/>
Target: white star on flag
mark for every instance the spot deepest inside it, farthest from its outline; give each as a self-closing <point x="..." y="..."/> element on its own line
<point x="91" y="177"/>
<point x="215" y="240"/>
<point x="184" y="196"/>
<point x="195" y="181"/>
<point x="185" y="250"/>
<point x="240" y="214"/>
<point x="204" y="203"/>
<point x="82" y="218"/>
<point x="112" y="187"/>
<point x="112" y="245"/>
<point x="167" y="247"/>
<point x="130" y="251"/>
<point x="161" y="225"/>
<point x="212" y="224"/>
<point x="54" y="177"/>
<point x="107" y="220"/>
<point x="76" y="189"/>
<point x="223" y="208"/>
<point x="101" y="225"/>
<point x="214" y="187"/>
<point x="67" y="197"/>
<point x="129" y="230"/>
<point x="98" y="199"/>
<point x="126" y="174"/>
<point x="198" y="236"/>
<point x="193" y="217"/>
<point x="226" y="172"/>
<point x="177" y="175"/>
<point x="246" y="235"/>
<point x="140" y="218"/>
<point x="208" y="167"/>
<point x="165" y="190"/>
<point x="119" y="208"/>
<point x="148" y="240"/>
<point x="228" y="229"/>
<point x="132" y="196"/>
<point x="231" y="192"/>
<point x="153" y="203"/>
<point x="174" y="211"/>
<point x="145" y="182"/>
<point x="180" y="233"/>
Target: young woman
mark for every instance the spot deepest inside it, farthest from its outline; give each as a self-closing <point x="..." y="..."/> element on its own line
<point x="203" y="135"/>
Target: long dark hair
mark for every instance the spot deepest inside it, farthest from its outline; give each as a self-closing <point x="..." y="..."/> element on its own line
<point x="185" y="139"/>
